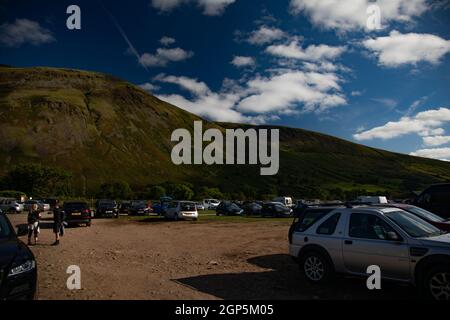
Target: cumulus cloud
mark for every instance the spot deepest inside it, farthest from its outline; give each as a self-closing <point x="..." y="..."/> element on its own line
<point x="265" y="35"/>
<point x="167" y="41"/>
<point x="164" y="56"/>
<point x="399" y="49"/>
<point x="23" y="31"/>
<point x="317" y="92"/>
<point x="425" y="124"/>
<point x="259" y="99"/>
<point x="311" y="53"/>
<point x="435" y="141"/>
<point x="351" y="15"/>
<point x="241" y="61"/>
<point x="209" y="7"/>
<point x="433" y="153"/>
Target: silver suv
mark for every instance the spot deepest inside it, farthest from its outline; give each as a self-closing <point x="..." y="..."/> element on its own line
<point x="346" y="239"/>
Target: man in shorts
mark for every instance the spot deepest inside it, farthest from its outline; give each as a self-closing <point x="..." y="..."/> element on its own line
<point x="33" y="223"/>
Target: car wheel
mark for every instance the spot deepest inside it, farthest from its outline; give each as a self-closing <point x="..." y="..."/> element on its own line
<point x="88" y="224"/>
<point x="315" y="267"/>
<point x="437" y="283"/>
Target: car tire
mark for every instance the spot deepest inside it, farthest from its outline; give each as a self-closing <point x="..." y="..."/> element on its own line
<point x="88" y="224"/>
<point x="315" y="267"/>
<point x="436" y="283"/>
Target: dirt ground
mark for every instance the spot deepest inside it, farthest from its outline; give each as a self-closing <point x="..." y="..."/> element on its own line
<point x="207" y="259"/>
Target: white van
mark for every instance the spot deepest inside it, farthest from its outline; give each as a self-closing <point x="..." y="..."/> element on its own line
<point x="373" y="199"/>
<point x="287" y="201"/>
<point x="211" y="204"/>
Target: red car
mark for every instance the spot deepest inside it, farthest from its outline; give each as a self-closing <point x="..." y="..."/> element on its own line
<point x="431" y="218"/>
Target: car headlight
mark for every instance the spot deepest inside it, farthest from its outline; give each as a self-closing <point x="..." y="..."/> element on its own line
<point x="25" y="267"/>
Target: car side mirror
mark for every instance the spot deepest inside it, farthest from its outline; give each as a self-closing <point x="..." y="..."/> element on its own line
<point x="393" y="236"/>
<point x="22" y="230"/>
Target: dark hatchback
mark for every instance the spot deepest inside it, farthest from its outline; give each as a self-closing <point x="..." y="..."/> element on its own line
<point x="436" y="199"/>
<point x="228" y="208"/>
<point x="18" y="270"/>
<point x="275" y="209"/>
<point x="139" y="208"/>
<point x="106" y="208"/>
<point x="77" y="212"/>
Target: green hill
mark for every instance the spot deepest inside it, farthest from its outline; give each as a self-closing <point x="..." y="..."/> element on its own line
<point x="103" y="129"/>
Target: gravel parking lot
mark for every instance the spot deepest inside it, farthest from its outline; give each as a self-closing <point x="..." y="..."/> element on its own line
<point x="135" y="258"/>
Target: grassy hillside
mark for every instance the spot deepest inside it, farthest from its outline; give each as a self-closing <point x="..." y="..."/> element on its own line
<point x="103" y="129"/>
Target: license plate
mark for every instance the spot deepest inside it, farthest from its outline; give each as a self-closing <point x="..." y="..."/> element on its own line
<point x="109" y="212"/>
<point x="76" y="213"/>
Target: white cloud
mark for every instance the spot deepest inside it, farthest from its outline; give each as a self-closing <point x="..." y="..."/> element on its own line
<point x="164" y="56"/>
<point x="23" y="31"/>
<point x="387" y="102"/>
<point x="209" y="7"/>
<point x="426" y="123"/>
<point x="167" y="41"/>
<point x="194" y="86"/>
<point x="241" y="61"/>
<point x="259" y="99"/>
<point x="433" y="153"/>
<point x="311" y="53"/>
<point x="350" y="15"/>
<point x="149" y="87"/>
<point x="265" y="35"/>
<point x="434" y="141"/>
<point x="398" y="49"/>
<point x="316" y="91"/>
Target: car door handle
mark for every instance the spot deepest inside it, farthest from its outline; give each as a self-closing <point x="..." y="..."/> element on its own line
<point x="349" y="242"/>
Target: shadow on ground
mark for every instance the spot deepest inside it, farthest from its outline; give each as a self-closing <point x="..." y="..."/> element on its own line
<point x="282" y="280"/>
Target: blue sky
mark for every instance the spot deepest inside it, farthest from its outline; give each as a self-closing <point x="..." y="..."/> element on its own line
<point x="298" y="63"/>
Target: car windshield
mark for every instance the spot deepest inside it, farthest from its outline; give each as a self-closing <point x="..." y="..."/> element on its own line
<point x="5" y="228"/>
<point x="427" y="215"/>
<point x="188" y="206"/>
<point x="413" y="225"/>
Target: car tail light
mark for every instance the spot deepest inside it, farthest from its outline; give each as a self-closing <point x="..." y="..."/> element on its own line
<point x="86" y="211"/>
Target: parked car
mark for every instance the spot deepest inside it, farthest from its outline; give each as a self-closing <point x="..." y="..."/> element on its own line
<point x="41" y="205"/>
<point x="11" y="205"/>
<point x="124" y="207"/>
<point x="18" y="269"/>
<point x="373" y="199"/>
<point x="436" y="199"/>
<point x="287" y="201"/>
<point x="275" y="209"/>
<point x="181" y="210"/>
<point x="200" y="206"/>
<point x="159" y="208"/>
<point x="106" y="208"/>
<point x="431" y="218"/>
<point x="211" y="204"/>
<point x="347" y="240"/>
<point x="51" y="201"/>
<point x="139" y="208"/>
<point x="77" y="212"/>
<point x="252" y="208"/>
<point x="228" y="208"/>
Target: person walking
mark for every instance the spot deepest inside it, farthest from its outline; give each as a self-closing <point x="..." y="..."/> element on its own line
<point x="34" y="217"/>
<point x="58" y="223"/>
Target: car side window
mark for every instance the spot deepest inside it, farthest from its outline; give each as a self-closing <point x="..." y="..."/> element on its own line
<point x="329" y="226"/>
<point x="368" y="226"/>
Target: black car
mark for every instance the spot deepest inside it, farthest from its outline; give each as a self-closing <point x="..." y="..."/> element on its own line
<point x="77" y="212"/>
<point x="18" y="270"/>
<point x="275" y="209"/>
<point x="228" y="208"/>
<point x="139" y="208"/>
<point x="124" y="207"/>
<point x="51" y="201"/>
<point x="435" y="199"/>
<point x="106" y="208"/>
<point x="252" y="208"/>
